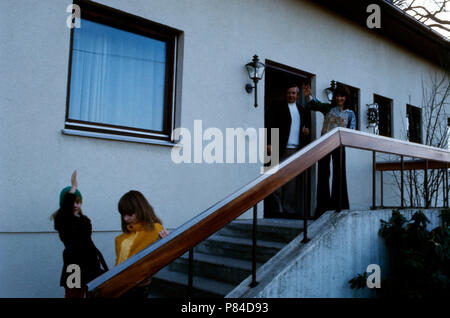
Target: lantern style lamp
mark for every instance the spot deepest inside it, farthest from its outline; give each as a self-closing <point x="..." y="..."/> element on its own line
<point x="330" y="90"/>
<point x="255" y="70"/>
<point x="372" y="115"/>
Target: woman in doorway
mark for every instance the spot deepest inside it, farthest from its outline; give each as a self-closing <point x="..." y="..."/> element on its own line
<point x="336" y="114"/>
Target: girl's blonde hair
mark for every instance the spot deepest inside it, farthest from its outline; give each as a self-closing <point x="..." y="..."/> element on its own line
<point x="135" y="202"/>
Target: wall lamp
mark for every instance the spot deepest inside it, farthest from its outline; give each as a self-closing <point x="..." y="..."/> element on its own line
<point x="255" y="70"/>
<point x="330" y="90"/>
<point x="372" y="115"/>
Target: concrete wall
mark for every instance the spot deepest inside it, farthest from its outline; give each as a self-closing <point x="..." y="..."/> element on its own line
<point x="342" y="245"/>
<point x="31" y="263"/>
<point x="220" y="37"/>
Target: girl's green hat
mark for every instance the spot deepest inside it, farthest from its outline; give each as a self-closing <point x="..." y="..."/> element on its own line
<point x="64" y="191"/>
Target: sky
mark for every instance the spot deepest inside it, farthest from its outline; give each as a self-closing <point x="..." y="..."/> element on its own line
<point x="431" y="6"/>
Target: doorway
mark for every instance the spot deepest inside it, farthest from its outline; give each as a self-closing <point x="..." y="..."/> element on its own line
<point x="385" y="115"/>
<point x="277" y="79"/>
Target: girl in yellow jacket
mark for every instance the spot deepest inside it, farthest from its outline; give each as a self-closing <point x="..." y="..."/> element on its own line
<point x="141" y="228"/>
<point x="140" y="225"/>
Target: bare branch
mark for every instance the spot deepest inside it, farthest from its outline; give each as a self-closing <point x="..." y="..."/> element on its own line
<point x="426" y="13"/>
<point x="435" y="102"/>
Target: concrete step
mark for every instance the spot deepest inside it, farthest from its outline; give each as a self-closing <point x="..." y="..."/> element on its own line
<point x="170" y="284"/>
<point x="275" y="230"/>
<point x="225" y="259"/>
<point x="225" y="269"/>
<point x="238" y="248"/>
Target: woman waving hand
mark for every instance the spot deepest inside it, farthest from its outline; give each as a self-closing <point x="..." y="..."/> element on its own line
<point x="336" y="114"/>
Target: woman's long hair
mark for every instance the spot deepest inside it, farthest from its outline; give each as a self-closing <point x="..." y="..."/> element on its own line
<point x="135" y="202"/>
<point x="341" y="90"/>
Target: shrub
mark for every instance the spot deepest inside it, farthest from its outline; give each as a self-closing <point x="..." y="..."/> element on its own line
<point x="419" y="260"/>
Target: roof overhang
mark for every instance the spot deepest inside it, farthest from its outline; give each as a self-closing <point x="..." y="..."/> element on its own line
<point x="397" y="26"/>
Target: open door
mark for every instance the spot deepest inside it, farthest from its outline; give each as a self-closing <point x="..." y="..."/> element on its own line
<point x="277" y="78"/>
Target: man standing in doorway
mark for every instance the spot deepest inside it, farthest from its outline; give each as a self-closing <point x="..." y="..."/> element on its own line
<point x="294" y="124"/>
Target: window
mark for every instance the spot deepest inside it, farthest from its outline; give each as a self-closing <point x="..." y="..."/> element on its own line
<point x="414" y="115"/>
<point x="385" y="115"/>
<point x="354" y="101"/>
<point x="121" y="77"/>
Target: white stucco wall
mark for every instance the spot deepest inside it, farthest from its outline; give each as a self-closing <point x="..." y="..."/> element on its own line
<point x="220" y="37"/>
<point x="340" y="247"/>
<point x="31" y="263"/>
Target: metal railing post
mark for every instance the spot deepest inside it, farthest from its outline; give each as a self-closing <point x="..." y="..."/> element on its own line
<point x="381" y="189"/>
<point x="340" y="179"/>
<point x="426" y="184"/>
<point x="443" y="188"/>
<point x="374" y="171"/>
<point x="305" y="206"/>
<point x="410" y="189"/>
<point x="402" y="168"/>
<point x="191" y="272"/>
<point x="255" y="214"/>
<point x="446" y="184"/>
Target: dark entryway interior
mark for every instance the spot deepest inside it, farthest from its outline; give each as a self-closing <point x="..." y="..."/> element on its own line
<point x="414" y="115"/>
<point x="385" y="115"/>
<point x="277" y="78"/>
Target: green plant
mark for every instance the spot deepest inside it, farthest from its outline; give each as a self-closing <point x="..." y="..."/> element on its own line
<point x="419" y="260"/>
<point x="359" y="281"/>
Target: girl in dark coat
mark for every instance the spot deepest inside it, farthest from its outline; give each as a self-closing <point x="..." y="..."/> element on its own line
<point x="75" y="230"/>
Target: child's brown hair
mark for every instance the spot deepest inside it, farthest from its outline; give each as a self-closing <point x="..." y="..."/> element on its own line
<point x="135" y="202"/>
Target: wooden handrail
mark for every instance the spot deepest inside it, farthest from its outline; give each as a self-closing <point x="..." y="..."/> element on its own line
<point x="153" y="258"/>
<point x="365" y="141"/>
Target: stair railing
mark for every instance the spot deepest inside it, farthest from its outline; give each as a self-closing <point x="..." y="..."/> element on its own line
<point x="414" y="165"/>
<point x="150" y="260"/>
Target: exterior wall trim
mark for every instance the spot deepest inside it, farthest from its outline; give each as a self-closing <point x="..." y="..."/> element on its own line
<point x="91" y="134"/>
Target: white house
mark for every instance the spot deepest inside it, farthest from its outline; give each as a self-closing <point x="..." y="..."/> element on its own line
<point x="77" y="96"/>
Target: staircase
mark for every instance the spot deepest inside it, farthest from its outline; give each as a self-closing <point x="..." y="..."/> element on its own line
<point x="225" y="259"/>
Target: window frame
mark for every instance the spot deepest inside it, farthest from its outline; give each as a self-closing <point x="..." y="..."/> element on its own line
<point x="355" y="94"/>
<point x="420" y="133"/>
<point x="137" y="25"/>
<point x="391" y="113"/>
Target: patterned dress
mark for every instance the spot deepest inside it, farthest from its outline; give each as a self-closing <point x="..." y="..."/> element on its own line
<point x="333" y="116"/>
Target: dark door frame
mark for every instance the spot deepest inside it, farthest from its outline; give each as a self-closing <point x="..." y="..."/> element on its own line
<point x="303" y="77"/>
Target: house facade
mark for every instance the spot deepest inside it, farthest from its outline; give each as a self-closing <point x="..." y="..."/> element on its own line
<point x="73" y="90"/>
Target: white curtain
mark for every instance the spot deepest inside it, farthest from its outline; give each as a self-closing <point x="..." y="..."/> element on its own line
<point x="117" y="77"/>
